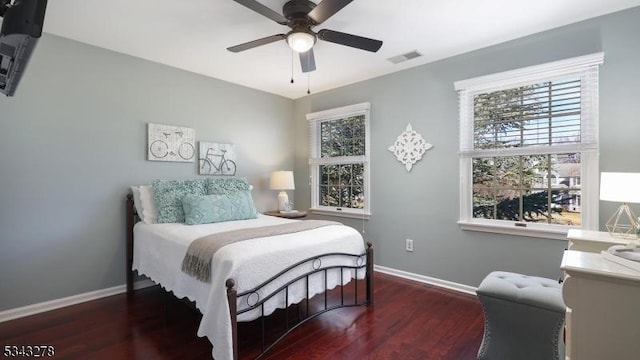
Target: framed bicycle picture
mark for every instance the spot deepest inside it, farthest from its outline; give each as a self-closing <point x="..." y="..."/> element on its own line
<point x="216" y="159"/>
<point x="170" y="143"/>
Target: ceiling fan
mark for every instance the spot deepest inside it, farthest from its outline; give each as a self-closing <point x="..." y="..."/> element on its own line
<point x="301" y="16"/>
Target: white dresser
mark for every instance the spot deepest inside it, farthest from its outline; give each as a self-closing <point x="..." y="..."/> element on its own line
<point x="603" y="297"/>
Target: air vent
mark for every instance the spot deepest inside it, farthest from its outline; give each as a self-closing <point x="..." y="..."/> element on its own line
<point x="404" y="57"/>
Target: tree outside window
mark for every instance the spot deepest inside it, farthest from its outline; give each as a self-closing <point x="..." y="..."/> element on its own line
<point x="340" y="160"/>
<point x="531" y="188"/>
<point x="529" y="149"/>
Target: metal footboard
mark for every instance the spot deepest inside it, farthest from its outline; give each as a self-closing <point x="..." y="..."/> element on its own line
<point x="362" y="262"/>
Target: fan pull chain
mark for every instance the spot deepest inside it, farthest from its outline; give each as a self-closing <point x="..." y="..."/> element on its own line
<point x="292" y="66"/>
<point x="308" y="83"/>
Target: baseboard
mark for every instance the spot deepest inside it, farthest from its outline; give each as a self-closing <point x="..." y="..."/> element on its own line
<point x="426" y="280"/>
<point x="21" y="312"/>
<point x="28" y="310"/>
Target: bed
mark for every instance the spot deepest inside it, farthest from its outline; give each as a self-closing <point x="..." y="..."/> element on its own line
<point x="252" y="278"/>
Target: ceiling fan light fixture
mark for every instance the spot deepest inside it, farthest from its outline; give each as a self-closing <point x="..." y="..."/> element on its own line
<point x="301" y="41"/>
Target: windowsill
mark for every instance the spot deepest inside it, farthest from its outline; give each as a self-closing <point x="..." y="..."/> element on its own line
<point x="353" y="215"/>
<point x="544" y="233"/>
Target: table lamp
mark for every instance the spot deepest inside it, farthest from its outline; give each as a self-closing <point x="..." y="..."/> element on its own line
<point x="624" y="188"/>
<point x="282" y="180"/>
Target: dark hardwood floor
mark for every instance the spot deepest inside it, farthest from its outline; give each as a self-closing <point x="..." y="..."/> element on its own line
<point x="409" y="321"/>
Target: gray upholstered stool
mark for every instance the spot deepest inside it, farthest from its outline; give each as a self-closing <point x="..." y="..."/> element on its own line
<point x="524" y="317"/>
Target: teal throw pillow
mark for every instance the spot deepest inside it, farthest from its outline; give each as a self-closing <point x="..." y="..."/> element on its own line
<point x="168" y="196"/>
<point x="218" y="208"/>
<point x="226" y="185"/>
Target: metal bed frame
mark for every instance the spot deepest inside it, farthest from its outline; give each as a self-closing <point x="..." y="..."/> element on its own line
<point x="363" y="261"/>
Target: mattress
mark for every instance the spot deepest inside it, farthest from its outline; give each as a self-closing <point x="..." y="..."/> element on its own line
<point x="158" y="251"/>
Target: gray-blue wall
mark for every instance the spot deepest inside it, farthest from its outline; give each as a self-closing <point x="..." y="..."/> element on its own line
<point x="423" y="204"/>
<point x="73" y="139"/>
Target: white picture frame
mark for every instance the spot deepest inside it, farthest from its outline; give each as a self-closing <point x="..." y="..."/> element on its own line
<point x="216" y="159"/>
<point x="170" y="143"/>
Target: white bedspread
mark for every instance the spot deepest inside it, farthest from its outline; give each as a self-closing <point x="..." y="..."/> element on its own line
<point x="158" y="251"/>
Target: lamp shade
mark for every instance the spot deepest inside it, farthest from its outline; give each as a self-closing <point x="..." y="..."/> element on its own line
<point x="282" y="180"/>
<point x="301" y="41"/>
<point x="621" y="187"/>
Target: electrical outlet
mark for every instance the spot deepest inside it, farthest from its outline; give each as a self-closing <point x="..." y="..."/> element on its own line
<point x="409" y="245"/>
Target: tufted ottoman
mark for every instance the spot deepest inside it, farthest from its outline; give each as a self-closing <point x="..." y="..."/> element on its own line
<point x="523" y="317"/>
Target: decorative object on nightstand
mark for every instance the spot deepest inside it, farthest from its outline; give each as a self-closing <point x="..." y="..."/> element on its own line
<point x="624" y="255"/>
<point x="290" y="214"/>
<point x="283" y="181"/>
<point x="624" y="188"/>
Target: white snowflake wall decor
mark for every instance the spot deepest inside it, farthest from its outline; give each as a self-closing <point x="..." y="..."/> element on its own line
<point x="409" y="147"/>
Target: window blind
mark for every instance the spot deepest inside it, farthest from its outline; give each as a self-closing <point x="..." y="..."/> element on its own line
<point x="546" y="116"/>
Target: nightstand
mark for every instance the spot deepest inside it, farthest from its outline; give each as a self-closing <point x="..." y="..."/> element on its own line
<point x="287" y="215"/>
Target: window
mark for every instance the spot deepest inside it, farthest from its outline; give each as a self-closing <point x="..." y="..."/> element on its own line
<point x="529" y="149"/>
<point x="339" y="161"/>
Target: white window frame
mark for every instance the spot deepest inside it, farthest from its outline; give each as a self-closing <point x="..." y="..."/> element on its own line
<point x="315" y="160"/>
<point x="584" y="66"/>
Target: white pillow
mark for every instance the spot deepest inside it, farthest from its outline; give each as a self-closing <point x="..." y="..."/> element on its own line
<point x="149" y="211"/>
<point x="136" y="200"/>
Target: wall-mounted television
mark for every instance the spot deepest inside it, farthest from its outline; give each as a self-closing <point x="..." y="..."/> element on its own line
<point x="22" y="22"/>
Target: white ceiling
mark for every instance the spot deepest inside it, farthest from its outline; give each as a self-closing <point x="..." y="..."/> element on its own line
<point x="193" y="34"/>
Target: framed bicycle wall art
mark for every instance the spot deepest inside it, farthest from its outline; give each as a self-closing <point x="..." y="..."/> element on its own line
<point x="170" y="143"/>
<point x="216" y="159"/>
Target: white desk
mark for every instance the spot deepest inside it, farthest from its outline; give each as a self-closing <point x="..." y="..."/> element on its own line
<point x="604" y="300"/>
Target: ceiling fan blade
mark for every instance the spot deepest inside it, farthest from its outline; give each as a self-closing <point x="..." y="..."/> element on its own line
<point x="255" y="43"/>
<point x="307" y="61"/>
<point x="326" y="9"/>
<point x="263" y="10"/>
<point x="349" y="40"/>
